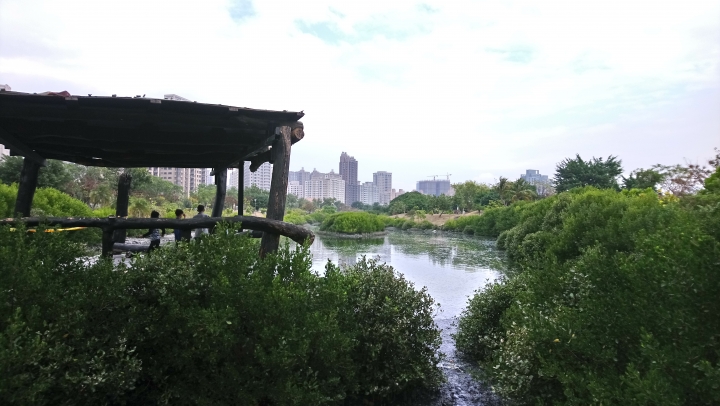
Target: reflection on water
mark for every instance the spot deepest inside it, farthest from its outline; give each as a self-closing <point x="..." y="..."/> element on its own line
<point x="450" y="265"/>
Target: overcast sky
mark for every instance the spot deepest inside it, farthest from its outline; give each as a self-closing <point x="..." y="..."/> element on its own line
<point x="477" y="89"/>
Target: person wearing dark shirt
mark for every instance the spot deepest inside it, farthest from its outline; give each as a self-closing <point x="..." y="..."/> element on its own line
<point x="154" y="233"/>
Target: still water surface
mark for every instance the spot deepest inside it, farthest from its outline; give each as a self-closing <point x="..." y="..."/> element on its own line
<point x="451" y="266"/>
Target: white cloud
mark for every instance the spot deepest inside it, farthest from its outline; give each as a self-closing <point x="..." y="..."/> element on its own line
<point x="471" y="87"/>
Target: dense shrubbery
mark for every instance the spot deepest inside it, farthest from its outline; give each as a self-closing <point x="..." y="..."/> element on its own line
<point x="205" y="323"/>
<point x="353" y="222"/>
<point x="492" y="221"/>
<point x="616" y="304"/>
<point x="296" y="216"/>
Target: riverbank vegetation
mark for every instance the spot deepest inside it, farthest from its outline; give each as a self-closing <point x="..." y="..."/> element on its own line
<point x="353" y="222"/>
<point x="615" y="300"/>
<point x="206" y="323"/>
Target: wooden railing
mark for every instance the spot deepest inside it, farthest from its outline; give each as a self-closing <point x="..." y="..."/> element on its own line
<point x="109" y="225"/>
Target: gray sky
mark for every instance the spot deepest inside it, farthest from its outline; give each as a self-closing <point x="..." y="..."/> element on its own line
<point x="477" y="89"/>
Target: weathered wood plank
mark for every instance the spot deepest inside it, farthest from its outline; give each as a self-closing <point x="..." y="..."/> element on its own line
<point x="13" y="143"/>
<point x="278" y="187"/>
<point x="292" y="231"/>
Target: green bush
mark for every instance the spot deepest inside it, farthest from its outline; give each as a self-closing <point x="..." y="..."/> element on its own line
<point x="54" y="203"/>
<point x="479" y="328"/>
<point x="425" y="225"/>
<point x="8" y="194"/>
<point x="618" y="303"/>
<point x="103" y="212"/>
<point x="205" y="323"/>
<point x="352" y="222"/>
<point x="296" y="216"/>
<point x="392" y="324"/>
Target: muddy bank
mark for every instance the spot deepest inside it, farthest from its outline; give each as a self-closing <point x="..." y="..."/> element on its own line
<point x="460" y="389"/>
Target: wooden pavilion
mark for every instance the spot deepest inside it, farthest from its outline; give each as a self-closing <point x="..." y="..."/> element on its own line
<point x="126" y="132"/>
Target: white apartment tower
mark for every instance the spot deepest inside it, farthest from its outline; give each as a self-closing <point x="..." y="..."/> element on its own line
<point x="325" y="185"/>
<point x="188" y="178"/>
<point x="260" y="178"/>
<point x="383" y="181"/>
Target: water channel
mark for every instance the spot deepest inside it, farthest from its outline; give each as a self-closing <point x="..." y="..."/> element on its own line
<point x="451" y="266"/>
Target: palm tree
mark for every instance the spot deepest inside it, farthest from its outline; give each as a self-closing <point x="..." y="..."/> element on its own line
<point x="521" y="190"/>
<point x="503" y="189"/>
<point x="139" y="207"/>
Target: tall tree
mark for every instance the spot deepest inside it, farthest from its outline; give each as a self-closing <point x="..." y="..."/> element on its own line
<point x="57" y="174"/>
<point x="602" y="174"/>
<point x="643" y="179"/>
<point x="467" y="193"/>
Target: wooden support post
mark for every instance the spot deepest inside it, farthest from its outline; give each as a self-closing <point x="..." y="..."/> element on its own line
<point x="26" y="189"/>
<point x="221" y="183"/>
<point x="122" y="203"/>
<point x="107" y="242"/>
<point x="241" y="188"/>
<point x="278" y="187"/>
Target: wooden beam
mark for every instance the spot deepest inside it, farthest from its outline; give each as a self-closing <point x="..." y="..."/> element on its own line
<point x="241" y="187"/>
<point x="26" y="189"/>
<point x="122" y="203"/>
<point x="292" y="231"/>
<point x="297" y="133"/>
<point x="220" y="191"/>
<point x="17" y="146"/>
<point x="278" y="187"/>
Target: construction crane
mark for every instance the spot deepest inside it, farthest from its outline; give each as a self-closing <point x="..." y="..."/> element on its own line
<point x="448" y="175"/>
<point x="432" y="176"/>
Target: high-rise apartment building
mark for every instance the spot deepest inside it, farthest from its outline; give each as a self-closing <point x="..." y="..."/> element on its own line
<point x="188" y="178"/>
<point x="261" y="178"/>
<point x="300" y="176"/>
<point x="4" y="151"/>
<point x="349" y="173"/>
<point x="325" y="185"/>
<point x="368" y="193"/>
<point x="434" y="187"/>
<point x="383" y="181"/>
<point x="295" y="188"/>
<point x="533" y="177"/>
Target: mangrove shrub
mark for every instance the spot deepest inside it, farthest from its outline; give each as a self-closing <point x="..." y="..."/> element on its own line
<point x="205" y="323"/>
<point x="616" y="303"/>
<point x="353" y="222"/>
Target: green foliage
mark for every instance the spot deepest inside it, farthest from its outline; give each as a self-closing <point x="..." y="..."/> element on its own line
<point x="257" y="197"/>
<point x="8" y="195"/>
<point x="574" y="173"/>
<point x="352" y="222"/>
<point x="54" y="203"/>
<point x="319" y="216"/>
<point x="712" y="183"/>
<point x="616" y="304"/>
<point x="643" y="179"/>
<point x="479" y="328"/>
<point x="103" y="212"/>
<point x="57" y="174"/>
<point x="206" y="323"/>
<point x="469" y="194"/>
<point x="205" y="194"/>
<point x="393" y="325"/>
<point x="296" y="216"/>
<point x="409" y="201"/>
<point x="492" y="222"/>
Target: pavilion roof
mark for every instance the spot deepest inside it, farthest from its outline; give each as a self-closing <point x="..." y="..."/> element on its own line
<point x="135" y="131"/>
